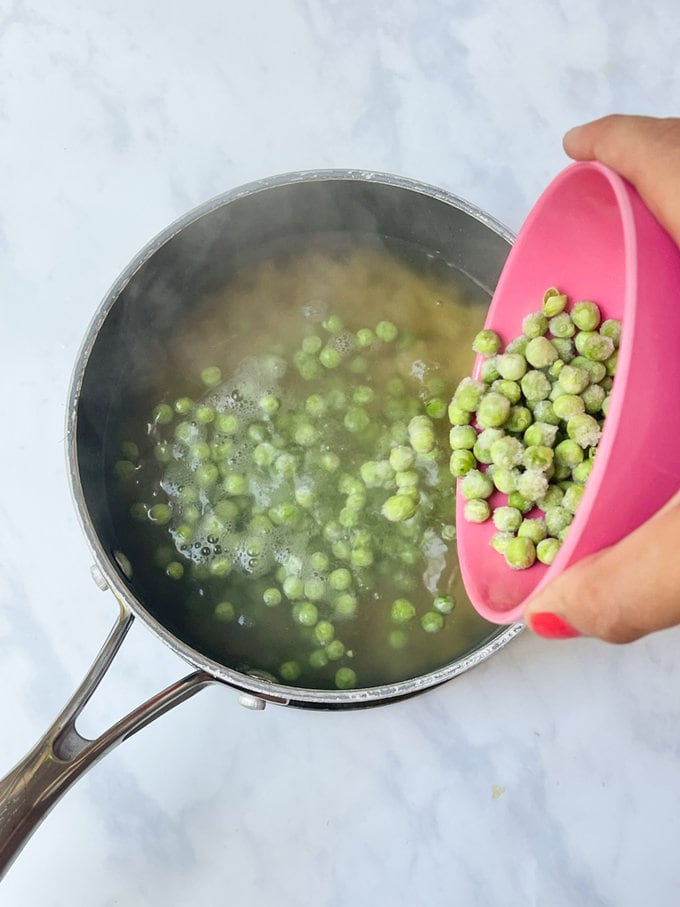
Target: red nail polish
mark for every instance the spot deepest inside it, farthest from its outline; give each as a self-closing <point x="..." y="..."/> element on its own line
<point x="551" y="626"/>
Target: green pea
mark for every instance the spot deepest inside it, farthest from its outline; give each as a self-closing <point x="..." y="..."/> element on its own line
<point x="421" y="434"/>
<point x="399" y="507"/>
<point x="335" y="650"/>
<point x="211" y="376"/>
<point x="124" y="469"/>
<point x="318" y="659"/>
<point x="365" y="337"/>
<point x="183" y="405"/>
<point x="432" y="621"/>
<point x="319" y="561"/>
<point x="507" y="519"/>
<point x="293" y="588"/>
<point x="305" y="613"/>
<point x="504" y="479"/>
<point x="224" y="612"/>
<point x="329" y="461"/>
<point x="443" y="603"/>
<point x="340" y="579"/>
<point x="512" y="366"/>
<point x="356" y="419"/>
<point x="163" y="414"/>
<point x="506" y="452"/>
<point x="160" y="513"/>
<point x="510" y="389"/>
<point x="547" y="550"/>
<point x="520" y="553"/>
<point x="271" y="597"/>
<point x="386" y="331"/>
<point x="476" y="510"/>
<point x="458" y="415"/>
<point x="311" y="344"/>
<point x="402" y="611"/>
<point x="269" y="404"/>
<point x="533" y="528"/>
<point x="535" y="324"/>
<point x="315" y="406"/>
<point x="493" y="410"/>
<point x="397" y="639"/>
<point x="324" y="632"/>
<point x="345" y="679"/>
<point x="345" y="606"/>
<point x="306" y="434"/>
<point x="290" y="671"/>
<point x="467" y="396"/>
<point x="476" y="484"/>
<point x="554" y="302"/>
<point x="330" y="358"/>
<point x="174" y="570"/>
<point x="486" y="342"/>
<point x="333" y="324"/>
<point x="585" y="315"/>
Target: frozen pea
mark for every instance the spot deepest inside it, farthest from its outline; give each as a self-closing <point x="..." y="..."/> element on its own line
<point x="556" y="368"/>
<point x="409" y="478"/>
<point x="538" y="457"/>
<point x="486" y="342"/>
<point x="504" y="479"/>
<point x="535" y="324"/>
<point x="234" y="483"/>
<point x="435" y="408"/>
<point x="315" y="406"/>
<point x="547" y="550"/>
<point x="540" y="434"/>
<point x="552" y="498"/>
<point x="557" y="519"/>
<point x="324" y="632"/>
<point x="605" y="404"/>
<point x="584" y="429"/>
<point x="532" y="484"/>
<point x="554" y="302"/>
<point x="220" y="566"/>
<point x="596" y="370"/>
<point x="594" y="345"/>
<point x="520" y="553"/>
<point x="329" y="461"/>
<point x="611" y="327"/>
<point x="493" y="410"/>
<point x="476" y="484"/>
<point x="611" y="363"/>
<point x="581" y="472"/>
<point x="345" y="679"/>
<point x="443" y="603"/>
<point x="540" y="353"/>
<point x="315" y="589"/>
<point x="569" y="452"/>
<point x="205" y="414"/>
<point x="499" y="541"/>
<point x="461" y="437"/>
<point x="562" y="326"/>
<point x="565" y="348"/>
<point x="319" y="560"/>
<point x="573" y="380"/>
<point x="507" y="519"/>
<point x="488" y="370"/>
<point x="468" y="394"/>
<point x="593" y="397"/>
<point x="476" y="510"/>
<point x="516" y="499"/>
<point x="399" y="507"/>
<point x="506" y="452"/>
<point x="585" y="315"/>
<point x="365" y="338"/>
<point x="543" y="412"/>
<point x="509" y="389"/>
<point x="485" y="439"/>
<point x="340" y="579"/>
<point x="269" y="404"/>
<point x="421" y="434"/>
<point x="461" y="462"/>
<point x="511" y="366"/>
<point x="333" y="324"/>
<point x="457" y="415"/>
<point x="226" y="424"/>
<point x="519" y="419"/>
<point x="568" y="405"/>
<point x="517" y="345"/>
<point x="432" y="621"/>
<point x="572" y="497"/>
<point x="535" y="385"/>
<point x="533" y="528"/>
<point x="361" y="556"/>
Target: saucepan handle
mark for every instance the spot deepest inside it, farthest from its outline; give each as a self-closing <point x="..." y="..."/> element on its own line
<point x="62" y="755"/>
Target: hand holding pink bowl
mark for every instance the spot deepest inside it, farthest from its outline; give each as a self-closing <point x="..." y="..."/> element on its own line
<point x="590" y="235"/>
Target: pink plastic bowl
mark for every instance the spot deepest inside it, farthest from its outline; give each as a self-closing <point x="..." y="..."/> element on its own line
<point x="591" y="236"/>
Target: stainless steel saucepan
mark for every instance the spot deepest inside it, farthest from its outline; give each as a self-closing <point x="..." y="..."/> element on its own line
<point x="185" y="261"/>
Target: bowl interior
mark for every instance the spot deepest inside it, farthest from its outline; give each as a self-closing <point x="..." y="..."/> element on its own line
<point x="590" y="235"/>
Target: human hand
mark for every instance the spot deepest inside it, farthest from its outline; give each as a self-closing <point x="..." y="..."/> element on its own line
<point x="633" y="587"/>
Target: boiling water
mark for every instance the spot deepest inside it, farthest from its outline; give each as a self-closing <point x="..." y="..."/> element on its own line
<point x="257" y="320"/>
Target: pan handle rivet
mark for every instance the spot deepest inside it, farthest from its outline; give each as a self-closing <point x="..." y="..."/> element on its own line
<point x="248" y="701"/>
<point x="98" y="577"/>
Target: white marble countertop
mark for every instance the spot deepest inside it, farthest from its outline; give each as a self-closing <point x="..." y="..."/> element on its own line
<point x="549" y="774"/>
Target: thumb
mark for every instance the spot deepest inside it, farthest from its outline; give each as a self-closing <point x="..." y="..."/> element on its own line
<point x="620" y="593"/>
<point x="645" y="151"/>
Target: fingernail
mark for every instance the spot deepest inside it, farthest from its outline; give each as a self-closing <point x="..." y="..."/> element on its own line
<point x="551" y="626"/>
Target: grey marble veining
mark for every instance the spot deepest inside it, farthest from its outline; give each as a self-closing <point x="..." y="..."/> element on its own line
<point x="547" y="775"/>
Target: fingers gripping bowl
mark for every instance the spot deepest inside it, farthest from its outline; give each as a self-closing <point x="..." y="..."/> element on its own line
<point x="591" y="235"/>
